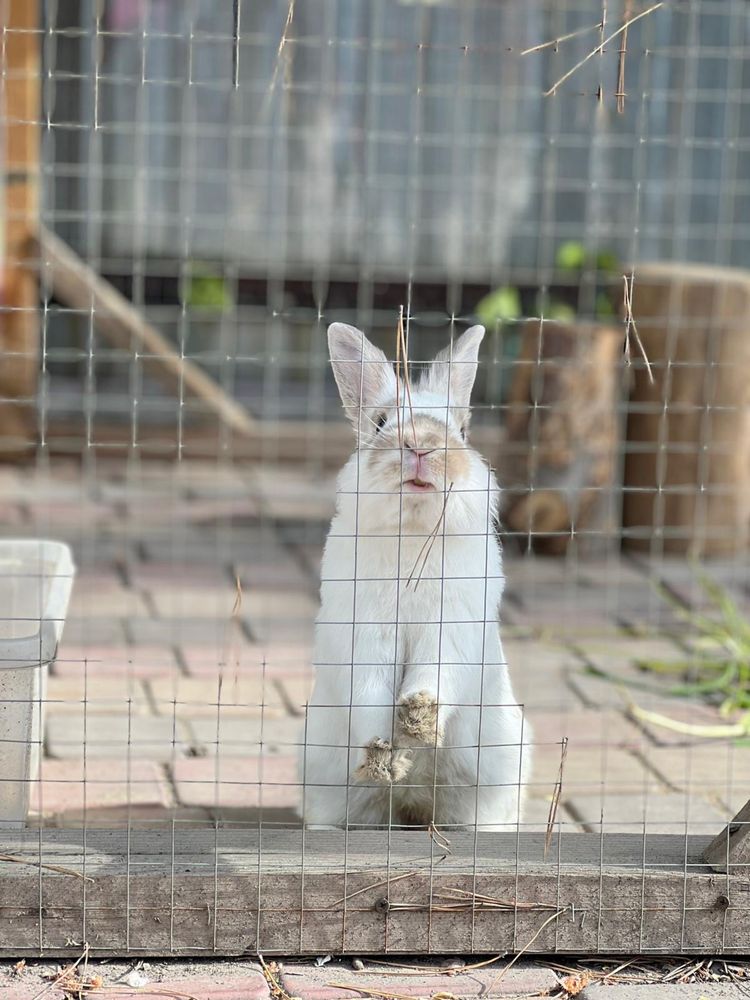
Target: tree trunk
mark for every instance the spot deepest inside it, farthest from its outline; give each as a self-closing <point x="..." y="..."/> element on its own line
<point x="561" y="447"/>
<point x="687" y="473"/>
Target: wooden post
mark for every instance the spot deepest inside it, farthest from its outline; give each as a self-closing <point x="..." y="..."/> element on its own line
<point x="19" y="299"/>
<point x="731" y="849"/>
<point x="560" y="454"/>
<point x="687" y="474"/>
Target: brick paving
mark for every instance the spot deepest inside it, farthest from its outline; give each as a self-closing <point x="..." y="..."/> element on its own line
<point x="340" y="979"/>
<point x="166" y="678"/>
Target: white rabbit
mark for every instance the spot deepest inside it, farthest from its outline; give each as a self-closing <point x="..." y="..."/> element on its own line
<point x="412" y="719"/>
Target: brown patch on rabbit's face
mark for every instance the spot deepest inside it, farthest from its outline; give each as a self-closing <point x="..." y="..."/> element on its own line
<point x="433" y="456"/>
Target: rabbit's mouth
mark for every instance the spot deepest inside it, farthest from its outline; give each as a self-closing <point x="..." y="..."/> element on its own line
<point x="417" y="485"/>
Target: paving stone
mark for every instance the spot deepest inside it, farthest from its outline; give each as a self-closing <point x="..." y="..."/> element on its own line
<point x="134" y="816"/>
<point x="93" y="598"/>
<point x="695" y="713"/>
<point x="188" y="601"/>
<point x="312" y="983"/>
<point x="624" y="652"/>
<point x="67" y="785"/>
<point x="178" y="573"/>
<point x="296" y="691"/>
<point x="268" y="603"/>
<point x="586" y="728"/>
<point x="193" y="698"/>
<point x="719" y="769"/>
<point x="268" y="782"/>
<point x="101" y="661"/>
<point x="85" y="630"/>
<point x="663" y="991"/>
<point x="656" y="813"/>
<point x="589" y="771"/>
<point x="270" y="658"/>
<point x="157" y="738"/>
<point x="252" y="736"/>
<point x="537" y="673"/>
<point x="98" y="695"/>
<point x="250" y="986"/>
<point x="282" y="630"/>
<point x="212" y="632"/>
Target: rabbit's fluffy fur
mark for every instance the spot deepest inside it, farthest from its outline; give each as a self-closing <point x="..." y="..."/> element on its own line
<point x="412" y="719"/>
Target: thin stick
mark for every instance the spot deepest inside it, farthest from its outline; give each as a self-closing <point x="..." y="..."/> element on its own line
<point x="51" y="868"/>
<point x="282" y="43"/>
<point x="621" y="59"/>
<point x="630" y="326"/>
<point x="80" y="288"/>
<point x="623" y="27"/>
<point x="375" y="885"/>
<point x="563" y="38"/>
<point x="63" y="973"/>
<point x="555" y="798"/>
<point x="407" y="376"/>
<point x="525" y="948"/>
<point x="429" y="541"/>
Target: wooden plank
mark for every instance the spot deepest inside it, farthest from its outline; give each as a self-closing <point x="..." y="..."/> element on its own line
<point x="20" y="94"/>
<point x="78" y="286"/>
<point x="329" y="442"/>
<point x="288" y="891"/>
<point x="731" y="849"/>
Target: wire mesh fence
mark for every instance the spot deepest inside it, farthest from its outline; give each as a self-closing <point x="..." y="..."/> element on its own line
<point x="249" y="701"/>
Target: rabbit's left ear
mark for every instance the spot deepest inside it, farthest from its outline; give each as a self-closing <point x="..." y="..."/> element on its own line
<point x="454" y="369"/>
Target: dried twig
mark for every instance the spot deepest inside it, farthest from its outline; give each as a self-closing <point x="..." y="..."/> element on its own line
<point x="407" y="375"/>
<point x="269" y="972"/>
<point x="555" y="797"/>
<point x="620" y="95"/>
<point x="375" y="885"/>
<point x="52" y="868"/>
<point x="428" y="543"/>
<point x="63" y="973"/>
<point x="282" y="43"/>
<point x="525" y="948"/>
<point x="615" y="34"/>
<point x="553" y="43"/>
<point x="630" y="326"/>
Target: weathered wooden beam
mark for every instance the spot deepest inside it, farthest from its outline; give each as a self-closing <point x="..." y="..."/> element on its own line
<point x="285" y="891"/>
<point x="78" y="286"/>
<point x="20" y="114"/>
<point x="730" y="851"/>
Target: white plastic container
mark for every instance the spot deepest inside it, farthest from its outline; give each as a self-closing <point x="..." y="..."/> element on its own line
<point x="36" y="578"/>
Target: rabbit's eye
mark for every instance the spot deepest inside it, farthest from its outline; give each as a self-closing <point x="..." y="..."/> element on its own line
<point x="380" y="420"/>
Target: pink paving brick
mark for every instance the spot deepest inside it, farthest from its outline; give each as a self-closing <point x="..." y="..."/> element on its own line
<point x="102" y="661"/>
<point x="274" y="658"/>
<point x="585" y="728"/>
<point x="111" y="694"/>
<point x="191" y="697"/>
<point x="237" y="782"/>
<point x="250" y="986"/>
<point x="66" y="785"/>
<point x="311" y="983"/>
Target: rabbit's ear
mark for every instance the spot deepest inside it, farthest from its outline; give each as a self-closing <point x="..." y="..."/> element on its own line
<point x="454" y="369"/>
<point x="363" y="373"/>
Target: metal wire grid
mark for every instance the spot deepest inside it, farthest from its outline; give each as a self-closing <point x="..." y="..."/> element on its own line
<point x="275" y="340"/>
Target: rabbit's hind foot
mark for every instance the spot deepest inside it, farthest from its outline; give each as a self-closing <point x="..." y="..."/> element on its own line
<point x="383" y="765"/>
<point x="418" y="720"/>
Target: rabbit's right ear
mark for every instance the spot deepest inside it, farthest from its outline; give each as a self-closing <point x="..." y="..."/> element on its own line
<point x="363" y="373"/>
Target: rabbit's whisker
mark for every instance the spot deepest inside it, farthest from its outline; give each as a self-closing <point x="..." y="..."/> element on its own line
<point x="407" y="376"/>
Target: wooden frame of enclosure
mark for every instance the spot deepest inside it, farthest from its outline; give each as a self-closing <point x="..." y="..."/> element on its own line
<point x="289" y="891"/>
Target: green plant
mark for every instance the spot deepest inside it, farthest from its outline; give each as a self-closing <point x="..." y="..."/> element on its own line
<point x="719" y="669"/>
<point x="500" y="306"/>
<point x="208" y="290"/>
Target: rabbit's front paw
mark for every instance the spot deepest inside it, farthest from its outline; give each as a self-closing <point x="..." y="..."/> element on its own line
<point x="382" y="764"/>
<point x="418" y="720"/>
